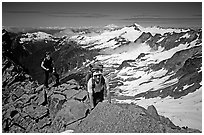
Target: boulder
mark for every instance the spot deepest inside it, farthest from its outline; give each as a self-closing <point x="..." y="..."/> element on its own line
<point x="81" y="96"/>
<point x="64" y="87"/>
<point x="42" y="98"/>
<point x="70" y="93"/>
<point x="39" y="88"/>
<point x="58" y="96"/>
<point x="153" y="112"/>
<point x="36" y="111"/>
<point x="46" y="121"/>
<point x="19" y="92"/>
<point x="71" y="112"/>
<point x="25" y="98"/>
<point x="72" y="82"/>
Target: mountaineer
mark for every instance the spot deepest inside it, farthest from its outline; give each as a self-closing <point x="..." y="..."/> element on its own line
<point x="47" y="65"/>
<point x="98" y="87"/>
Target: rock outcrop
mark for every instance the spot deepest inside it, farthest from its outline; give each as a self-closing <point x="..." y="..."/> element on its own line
<point x="127" y="118"/>
<point x="43" y="110"/>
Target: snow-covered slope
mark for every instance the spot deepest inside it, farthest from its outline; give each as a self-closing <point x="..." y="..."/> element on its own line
<point x="109" y="39"/>
<point x="36" y="36"/>
<point x="153" y="66"/>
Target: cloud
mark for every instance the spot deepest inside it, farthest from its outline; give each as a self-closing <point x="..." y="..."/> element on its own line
<point x="197" y="15"/>
<point x="23" y="12"/>
<point x="77" y="15"/>
<point x="146" y="16"/>
<point x="158" y="18"/>
<point x="96" y="16"/>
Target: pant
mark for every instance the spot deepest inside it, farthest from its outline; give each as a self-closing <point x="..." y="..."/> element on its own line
<point x="98" y="97"/>
<point x="47" y="77"/>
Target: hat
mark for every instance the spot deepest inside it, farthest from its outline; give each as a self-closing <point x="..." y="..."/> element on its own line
<point x="47" y="53"/>
<point x="97" y="73"/>
<point x="98" y="66"/>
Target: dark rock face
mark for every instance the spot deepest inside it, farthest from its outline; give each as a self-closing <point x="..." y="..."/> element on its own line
<point x="152" y="111"/>
<point x="168" y="40"/>
<point x="30" y="54"/>
<point x="187" y="67"/>
<point x="125" y="64"/>
<point x="144" y="37"/>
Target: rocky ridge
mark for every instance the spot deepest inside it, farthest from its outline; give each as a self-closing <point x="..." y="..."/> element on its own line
<point x="29" y="107"/>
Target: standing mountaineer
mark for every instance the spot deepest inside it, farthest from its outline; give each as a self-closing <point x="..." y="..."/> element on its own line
<point x="47" y="65"/>
<point x="98" y="87"/>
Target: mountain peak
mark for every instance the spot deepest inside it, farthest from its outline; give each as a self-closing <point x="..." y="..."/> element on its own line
<point x="111" y="26"/>
<point x="136" y="24"/>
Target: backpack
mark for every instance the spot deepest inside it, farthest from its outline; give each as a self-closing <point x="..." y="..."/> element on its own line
<point x="88" y="76"/>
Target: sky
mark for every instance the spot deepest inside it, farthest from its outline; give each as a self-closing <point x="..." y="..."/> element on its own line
<point x="79" y="14"/>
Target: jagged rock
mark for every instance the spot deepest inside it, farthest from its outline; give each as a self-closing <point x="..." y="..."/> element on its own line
<point x="39" y="88"/>
<point x="26" y="121"/>
<point x="13" y="123"/>
<point x="72" y="82"/>
<point x="6" y="111"/>
<point x="55" y="103"/>
<point x="69" y="85"/>
<point x="64" y="87"/>
<point x="19" y="92"/>
<point x="36" y="111"/>
<point x="25" y="98"/>
<point x="58" y="96"/>
<point x="76" y="87"/>
<point x="46" y="121"/>
<point x="71" y="112"/>
<point x="168" y="122"/>
<point x="70" y="93"/>
<point x="42" y="98"/>
<point x="153" y="112"/>
<point x="82" y="96"/>
<point x="125" y="63"/>
<point x="144" y="37"/>
<point x="32" y="128"/>
<point x="13" y="113"/>
<point x="78" y="109"/>
<point x="16" y="128"/>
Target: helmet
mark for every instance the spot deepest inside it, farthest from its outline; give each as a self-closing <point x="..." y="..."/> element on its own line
<point x="98" y="66"/>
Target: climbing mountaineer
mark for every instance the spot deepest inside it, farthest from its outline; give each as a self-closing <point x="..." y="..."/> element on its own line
<point x="98" y="87"/>
<point x="48" y="67"/>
